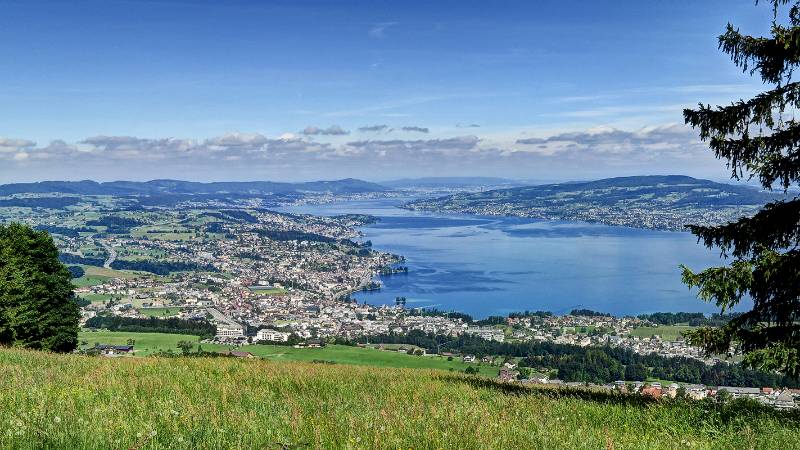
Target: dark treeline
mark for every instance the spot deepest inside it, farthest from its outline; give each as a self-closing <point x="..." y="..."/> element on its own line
<point x="593" y="364"/>
<point x="114" y="224"/>
<point x="289" y="235"/>
<point x="161" y="267"/>
<point x="587" y="313"/>
<point x="69" y="258"/>
<point x="215" y="227"/>
<point x="239" y="215"/>
<point x="41" y="202"/>
<point x="76" y="271"/>
<point x="64" y="231"/>
<point x="491" y="320"/>
<point x="172" y="325"/>
<point x="693" y="319"/>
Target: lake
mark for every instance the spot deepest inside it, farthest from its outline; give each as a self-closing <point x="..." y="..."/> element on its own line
<point x="496" y="265"/>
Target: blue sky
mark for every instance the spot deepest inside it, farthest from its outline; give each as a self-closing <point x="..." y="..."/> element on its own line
<point x="302" y="90"/>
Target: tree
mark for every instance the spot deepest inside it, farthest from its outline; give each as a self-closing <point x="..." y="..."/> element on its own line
<point x="76" y="271"/>
<point x="759" y="139"/>
<point x="723" y="396"/>
<point x="185" y="346"/>
<point x="37" y="304"/>
<point x="636" y="372"/>
<point x="680" y="392"/>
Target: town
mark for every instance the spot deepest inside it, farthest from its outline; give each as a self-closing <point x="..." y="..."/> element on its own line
<point x="262" y="276"/>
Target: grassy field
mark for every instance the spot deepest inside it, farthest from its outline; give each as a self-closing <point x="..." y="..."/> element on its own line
<point x="667" y="332"/>
<point x="149" y="343"/>
<point x="146" y="343"/>
<point x="99" y="275"/>
<point x="343" y="354"/>
<point x="96" y="298"/>
<point x="160" y="312"/>
<point x="55" y="401"/>
<point x="269" y="291"/>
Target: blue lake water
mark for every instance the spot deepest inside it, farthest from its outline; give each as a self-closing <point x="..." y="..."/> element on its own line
<point x="497" y="265"/>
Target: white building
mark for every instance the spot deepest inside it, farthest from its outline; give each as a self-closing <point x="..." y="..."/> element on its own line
<point x="230" y="330"/>
<point x="271" y="335"/>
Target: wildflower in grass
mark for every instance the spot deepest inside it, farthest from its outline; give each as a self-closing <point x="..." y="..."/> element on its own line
<point x="57" y="419"/>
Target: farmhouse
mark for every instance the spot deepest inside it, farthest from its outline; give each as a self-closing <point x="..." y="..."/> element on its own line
<point x="114" y="350"/>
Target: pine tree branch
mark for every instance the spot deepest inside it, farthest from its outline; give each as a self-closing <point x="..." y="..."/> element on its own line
<point x="775" y="227"/>
<point x="774" y="157"/>
<point x="742" y="115"/>
<point x="773" y="58"/>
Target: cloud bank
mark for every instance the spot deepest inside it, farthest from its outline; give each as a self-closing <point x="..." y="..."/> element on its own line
<point x="595" y="152"/>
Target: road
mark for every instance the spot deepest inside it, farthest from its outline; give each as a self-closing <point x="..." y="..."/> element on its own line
<point x="112" y="255"/>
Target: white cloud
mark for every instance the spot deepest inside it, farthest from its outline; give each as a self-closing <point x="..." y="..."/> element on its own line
<point x="378" y="31"/>
<point x="333" y="130"/>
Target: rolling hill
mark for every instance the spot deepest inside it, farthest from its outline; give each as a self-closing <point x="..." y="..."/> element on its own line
<point x="661" y="202"/>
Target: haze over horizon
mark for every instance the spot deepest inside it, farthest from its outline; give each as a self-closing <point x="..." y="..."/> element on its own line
<point x="296" y="91"/>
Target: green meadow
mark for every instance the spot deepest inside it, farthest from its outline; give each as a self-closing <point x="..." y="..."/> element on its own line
<point x="166" y="311"/>
<point x="73" y="401"/>
<point x="145" y="343"/>
<point x="667" y="332"/>
<point x="268" y="291"/>
<point x="99" y="275"/>
<point x="149" y="343"/>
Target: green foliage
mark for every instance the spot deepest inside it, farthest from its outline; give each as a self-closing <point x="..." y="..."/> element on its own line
<point x="161" y="267"/>
<point x="185" y="346"/>
<point x="76" y="271"/>
<point x="758" y="138"/>
<point x="173" y="325"/>
<point x="636" y="372"/>
<point x="691" y="319"/>
<point x="37" y="305"/>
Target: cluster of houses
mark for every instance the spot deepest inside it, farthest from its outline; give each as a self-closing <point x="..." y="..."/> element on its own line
<point x="777" y="398"/>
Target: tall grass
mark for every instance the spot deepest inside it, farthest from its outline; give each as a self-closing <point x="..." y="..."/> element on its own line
<point x="56" y="401"/>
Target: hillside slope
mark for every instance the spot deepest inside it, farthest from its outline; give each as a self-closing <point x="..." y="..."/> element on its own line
<point x="661" y="202"/>
<point x="56" y="401"/>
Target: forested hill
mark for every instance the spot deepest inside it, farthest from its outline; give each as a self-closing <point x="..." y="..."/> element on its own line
<point x="161" y="187"/>
<point x="660" y="202"/>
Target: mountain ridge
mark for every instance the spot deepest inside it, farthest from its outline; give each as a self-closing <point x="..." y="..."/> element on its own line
<point x="168" y="186"/>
